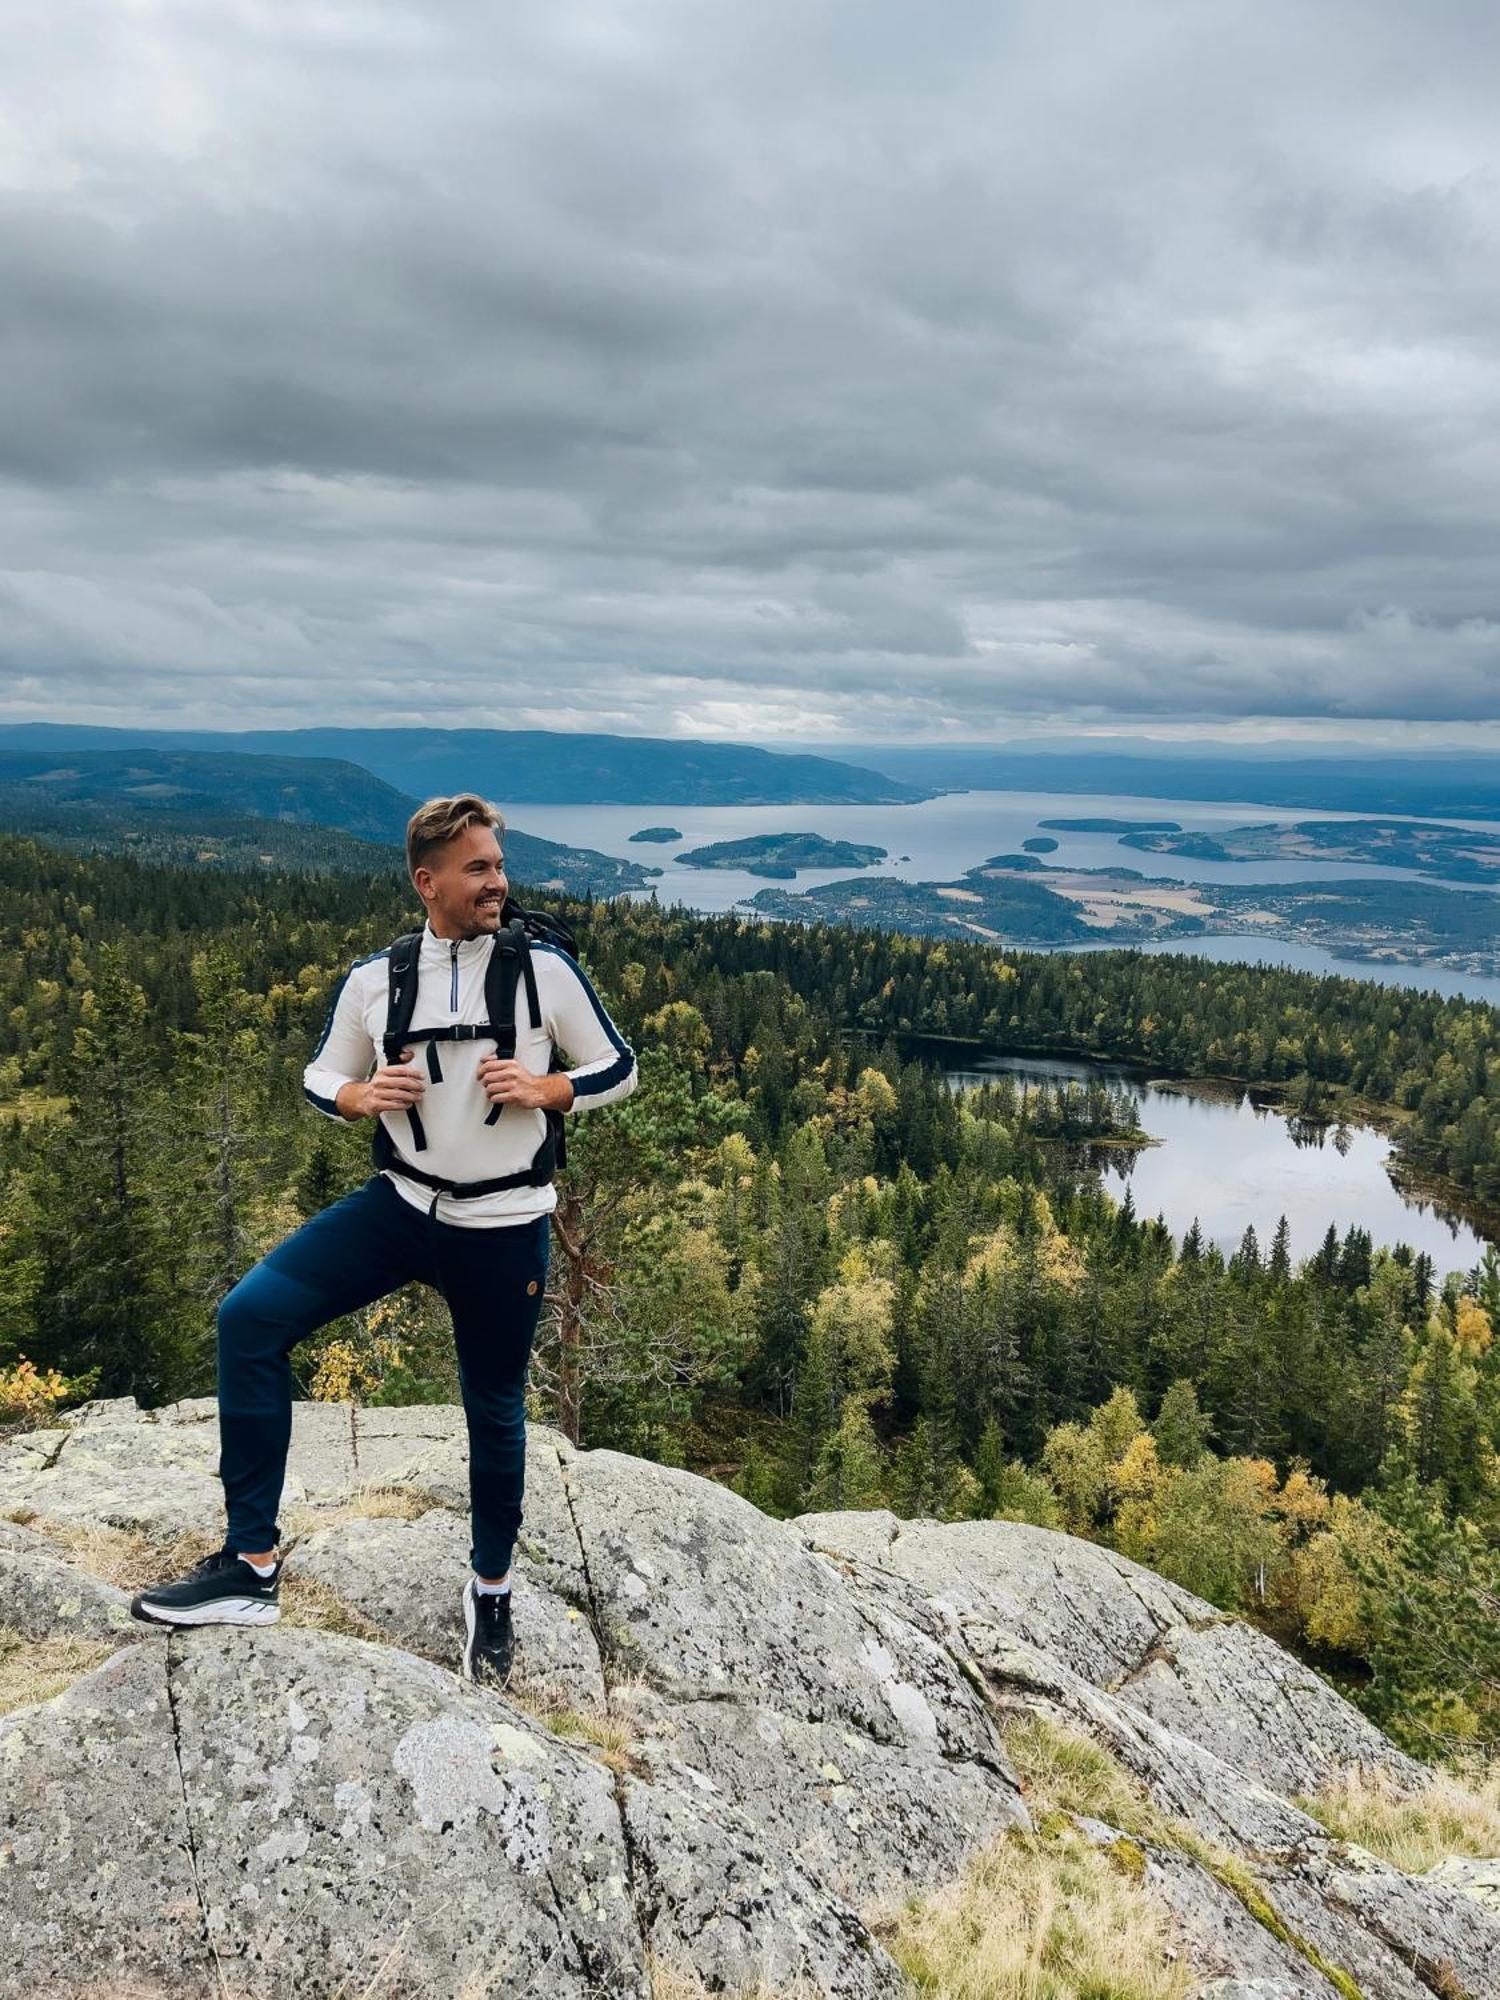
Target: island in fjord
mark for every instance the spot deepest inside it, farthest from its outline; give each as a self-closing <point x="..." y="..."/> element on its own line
<point x="1111" y="825"/>
<point x="779" y="855"/>
<point x="659" y="835"/>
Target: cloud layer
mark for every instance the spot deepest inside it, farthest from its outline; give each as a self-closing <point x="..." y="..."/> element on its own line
<point x="793" y="371"/>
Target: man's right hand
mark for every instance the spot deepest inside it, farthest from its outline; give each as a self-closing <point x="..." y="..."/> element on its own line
<point x="392" y="1088"/>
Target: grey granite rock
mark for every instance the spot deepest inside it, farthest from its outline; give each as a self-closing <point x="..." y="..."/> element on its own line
<point x="1233" y="1690"/>
<point x="1476" y="1876"/>
<point x="773" y="1727"/>
<point x="1088" y="1607"/>
<point x="353" y="1807"/>
<point x="736" y="1913"/>
<point x="1260" y="1989"/>
<point x="137" y="1477"/>
<point x="43" y="1597"/>
<point x="407" y="1577"/>
<point x="386" y="1438"/>
<point x="698" y="1591"/>
<point x="1211" y="1679"/>
<point x="871" y="1820"/>
<point x="106" y="1410"/>
<point x="1222" y="1937"/>
<point x="1447" y="1937"/>
<point x="852" y="1738"/>
<point x="96" y="1873"/>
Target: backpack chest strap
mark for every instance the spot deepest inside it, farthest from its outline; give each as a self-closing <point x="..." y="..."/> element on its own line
<point x="509" y="966"/>
<point x="452" y="1031"/>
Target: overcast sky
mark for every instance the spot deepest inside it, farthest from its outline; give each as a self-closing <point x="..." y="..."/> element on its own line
<point x="779" y="369"/>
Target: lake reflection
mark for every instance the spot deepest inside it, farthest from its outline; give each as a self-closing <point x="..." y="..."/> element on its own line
<point x="1231" y="1164"/>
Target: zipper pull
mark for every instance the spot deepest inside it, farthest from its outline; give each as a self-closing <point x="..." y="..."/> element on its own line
<point x="453" y="962"/>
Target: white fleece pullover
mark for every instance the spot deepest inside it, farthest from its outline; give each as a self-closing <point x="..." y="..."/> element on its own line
<point x="460" y="1146"/>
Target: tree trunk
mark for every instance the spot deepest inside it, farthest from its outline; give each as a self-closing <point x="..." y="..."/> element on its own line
<point x="569" y="1230"/>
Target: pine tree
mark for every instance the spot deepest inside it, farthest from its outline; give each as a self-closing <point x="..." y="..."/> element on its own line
<point x="111" y="1295"/>
<point x="1279" y="1270"/>
<point x="1181" y="1429"/>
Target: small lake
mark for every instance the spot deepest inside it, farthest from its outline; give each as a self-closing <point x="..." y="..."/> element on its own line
<point x="1232" y="1164"/>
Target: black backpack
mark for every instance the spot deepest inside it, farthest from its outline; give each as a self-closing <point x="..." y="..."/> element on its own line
<point x="509" y="968"/>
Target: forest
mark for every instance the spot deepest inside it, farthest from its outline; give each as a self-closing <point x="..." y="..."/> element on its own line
<point x="796" y="1258"/>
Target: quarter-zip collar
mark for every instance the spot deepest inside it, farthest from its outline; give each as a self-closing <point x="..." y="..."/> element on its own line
<point x="448" y="951"/>
<point x="453" y="955"/>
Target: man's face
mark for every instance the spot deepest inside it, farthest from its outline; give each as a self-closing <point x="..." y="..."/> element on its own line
<point x="463" y="883"/>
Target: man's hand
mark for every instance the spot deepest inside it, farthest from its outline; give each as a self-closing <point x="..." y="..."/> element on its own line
<point x="506" y="1081"/>
<point x="392" y="1088"/>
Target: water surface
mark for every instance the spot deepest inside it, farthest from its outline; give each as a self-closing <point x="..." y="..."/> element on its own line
<point x="1231" y="1164"/>
<point x="936" y="840"/>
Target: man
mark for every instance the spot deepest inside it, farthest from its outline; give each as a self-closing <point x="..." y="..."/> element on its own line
<point x="486" y="1251"/>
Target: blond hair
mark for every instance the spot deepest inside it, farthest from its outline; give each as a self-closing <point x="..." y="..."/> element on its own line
<point x="440" y="820"/>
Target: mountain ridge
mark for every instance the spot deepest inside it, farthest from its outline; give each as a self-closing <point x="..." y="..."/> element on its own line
<point x="530" y="767"/>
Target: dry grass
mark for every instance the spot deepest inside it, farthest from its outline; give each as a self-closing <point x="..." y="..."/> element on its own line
<point x="1041" y="1917"/>
<point x="1455" y="1812"/>
<point x="126" y="1557"/>
<point x="671" y="1980"/>
<point x="610" y="1735"/>
<point x="1048" y="1915"/>
<point x="314" y="1605"/>
<point x="1062" y="1770"/>
<point x="612" y="1731"/>
<point x="371" y="1502"/>
<point x="37" y="1669"/>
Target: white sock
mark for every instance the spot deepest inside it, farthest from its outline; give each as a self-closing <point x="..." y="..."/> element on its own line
<point x="261" y="1569"/>
<point x="483" y="1589"/>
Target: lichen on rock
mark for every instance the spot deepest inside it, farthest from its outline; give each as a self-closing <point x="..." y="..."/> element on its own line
<point x="763" y="1734"/>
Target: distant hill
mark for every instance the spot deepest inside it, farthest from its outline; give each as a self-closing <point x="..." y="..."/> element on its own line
<point x="531" y="766"/>
<point x="1440" y="785"/>
<point x="301" y="813"/>
<point x="299" y="790"/>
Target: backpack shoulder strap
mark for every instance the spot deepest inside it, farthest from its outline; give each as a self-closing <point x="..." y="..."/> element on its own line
<point x="501" y="977"/>
<point x="510" y="961"/>
<point x="400" y="1005"/>
<point x="401" y="996"/>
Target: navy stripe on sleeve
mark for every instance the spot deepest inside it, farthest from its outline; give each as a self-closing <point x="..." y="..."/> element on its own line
<point x="384" y="952"/>
<point x="620" y="1068"/>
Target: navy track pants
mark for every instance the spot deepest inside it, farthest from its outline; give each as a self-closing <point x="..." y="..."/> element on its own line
<point x="357" y="1250"/>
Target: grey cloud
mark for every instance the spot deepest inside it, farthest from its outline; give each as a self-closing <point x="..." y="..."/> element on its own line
<point x="839" y="368"/>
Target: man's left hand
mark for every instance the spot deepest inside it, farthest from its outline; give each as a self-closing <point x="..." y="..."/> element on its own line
<point x="506" y="1081"/>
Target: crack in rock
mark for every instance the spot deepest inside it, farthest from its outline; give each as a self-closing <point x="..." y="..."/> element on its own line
<point x="617" y="1787"/>
<point x="169" y="1660"/>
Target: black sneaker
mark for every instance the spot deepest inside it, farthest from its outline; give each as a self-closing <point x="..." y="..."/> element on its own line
<point x="489" y="1642"/>
<point x="220" y="1590"/>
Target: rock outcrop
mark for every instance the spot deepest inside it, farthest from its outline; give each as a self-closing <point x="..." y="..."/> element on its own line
<point x="732" y="1743"/>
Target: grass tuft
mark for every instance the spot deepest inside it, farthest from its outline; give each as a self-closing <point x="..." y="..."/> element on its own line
<point x="370" y="1502"/>
<point x="1036" y="1917"/>
<point x="1063" y="1771"/>
<point x="126" y="1557"/>
<point x="1455" y="1812"/>
<point x="610" y="1731"/>
<point x="310" y="1604"/>
<point x="37" y="1669"/>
